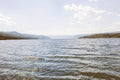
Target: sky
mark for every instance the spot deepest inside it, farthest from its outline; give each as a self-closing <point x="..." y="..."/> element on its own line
<point x="60" y="17"/>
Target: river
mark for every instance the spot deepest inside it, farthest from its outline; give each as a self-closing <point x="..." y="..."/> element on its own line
<point x="59" y="59"/>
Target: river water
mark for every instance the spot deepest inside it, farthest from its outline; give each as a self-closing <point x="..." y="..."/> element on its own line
<point x="57" y="59"/>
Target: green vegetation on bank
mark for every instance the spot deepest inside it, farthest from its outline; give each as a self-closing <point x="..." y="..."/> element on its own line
<point x="103" y="35"/>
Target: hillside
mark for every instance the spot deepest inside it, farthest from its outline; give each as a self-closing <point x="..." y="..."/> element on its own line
<point x="103" y="35"/>
<point x="16" y="35"/>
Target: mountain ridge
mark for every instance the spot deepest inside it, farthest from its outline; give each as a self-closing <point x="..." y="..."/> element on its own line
<point x="16" y="35"/>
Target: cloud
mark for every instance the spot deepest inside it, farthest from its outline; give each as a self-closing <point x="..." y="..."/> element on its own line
<point x="118" y="15"/>
<point x="85" y="13"/>
<point x="5" y="20"/>
<point x="98" y="18"/>
<point x="117" y="23"/>
<point x="93" y="0"/>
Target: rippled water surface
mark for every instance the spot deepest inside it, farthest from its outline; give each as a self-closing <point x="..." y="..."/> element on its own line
<point x="82" y="59"/>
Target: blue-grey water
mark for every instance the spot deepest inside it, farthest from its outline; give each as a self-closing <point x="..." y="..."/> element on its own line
<point x="55" y="59"/>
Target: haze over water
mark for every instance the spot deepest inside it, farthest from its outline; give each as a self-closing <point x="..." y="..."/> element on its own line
<point x="57" y="59"/>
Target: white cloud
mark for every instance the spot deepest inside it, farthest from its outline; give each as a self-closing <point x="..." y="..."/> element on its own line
<point x="93" y="0"/>
<point x="84" y="13"/>
<point x="118" y="15"/>
<point x="98" y="18"/>
<point x="6" y="20"/>
<point x="117" y="23"/>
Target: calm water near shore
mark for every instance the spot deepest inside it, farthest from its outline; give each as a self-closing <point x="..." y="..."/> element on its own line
<point x="55" y="59"/>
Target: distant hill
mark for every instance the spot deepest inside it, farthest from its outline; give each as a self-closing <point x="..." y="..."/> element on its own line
<point x="80" y="35"/>
<point x="16" y="35"/>
<point x="103" y="35"/>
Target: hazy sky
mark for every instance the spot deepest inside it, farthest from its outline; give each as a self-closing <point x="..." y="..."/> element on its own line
<point x="60" y="17"/>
